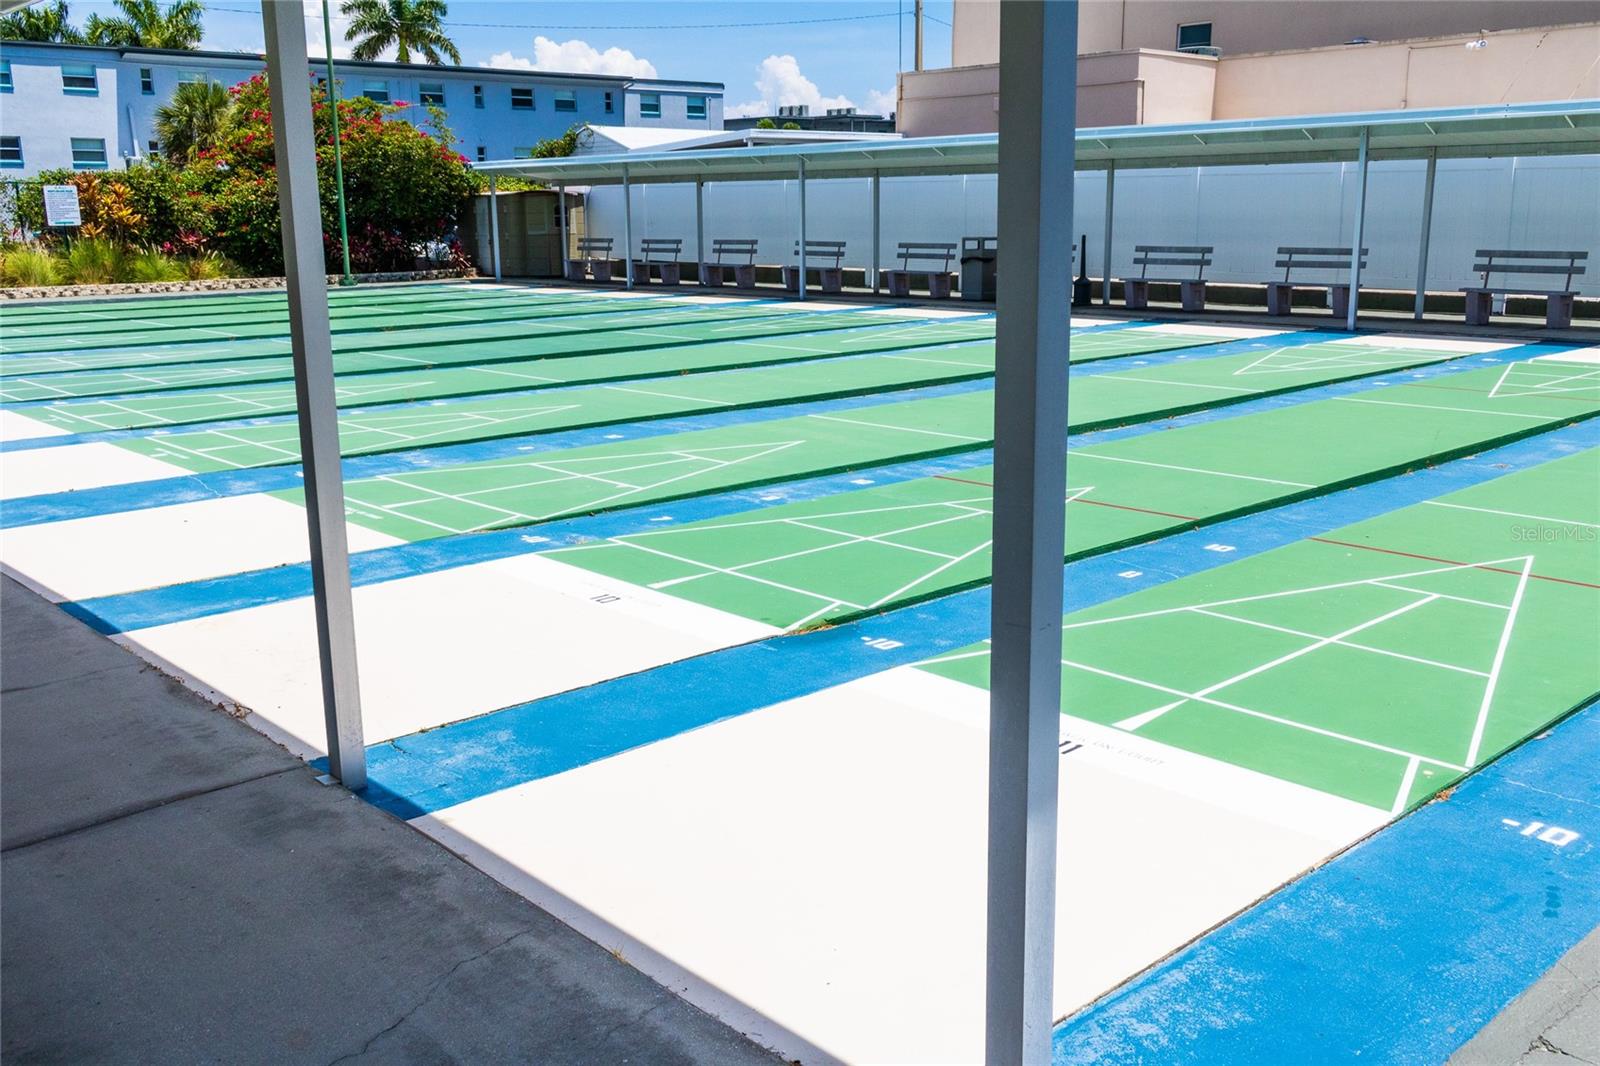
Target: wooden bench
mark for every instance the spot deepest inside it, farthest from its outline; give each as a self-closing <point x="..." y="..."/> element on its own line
<point x="1558" y="302"/>
<point x="1196" y="257"/>
<point x="661" y="253"/>
<point x="594" y="256"/>
<point x="1280" y="294"/>
<point x="744" y="274"/>
<point x="931" y="253"/>
<point x="830" y="278"/>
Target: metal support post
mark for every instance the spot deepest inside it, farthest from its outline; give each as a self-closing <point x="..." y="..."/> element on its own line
<point x="494" y="225"/>
<point x="566" y="244"/>
<point x="1361" y="225"/>
<point x="315" y="404"/>
<point x="1038" y="75"/>
<point x="699" y="230"/>
<point x="627" y="226"/>
<point x="877" y="227"/>
<point x="1105" y="248"/>
<point x="1427" y="233"/>
<point x="802" y="247"/>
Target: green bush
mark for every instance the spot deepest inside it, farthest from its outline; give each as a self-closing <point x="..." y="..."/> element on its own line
<point x="27" y="265"/>
<point x="151" y="264"/>
<point x="95" y="261"/>
<point x="208" y="266"/>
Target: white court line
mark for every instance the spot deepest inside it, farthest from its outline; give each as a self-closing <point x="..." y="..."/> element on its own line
<point x="1499" y="661"/>
<point x="899" y="429"/>
<point x="1512" y="514"/>
<point x="1342" y="643"/>
<point x="1190" y="469"/>
<point x="1439" y="407"/>
<point x="1135" y="379"/>
<point x="1406" y="781"/>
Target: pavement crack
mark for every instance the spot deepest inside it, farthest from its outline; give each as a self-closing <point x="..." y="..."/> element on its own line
<point x="427" y="996"/>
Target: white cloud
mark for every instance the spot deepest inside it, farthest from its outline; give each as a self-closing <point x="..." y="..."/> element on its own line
<point x="314" y="34"/>
<point x="781" y="84"/>
<point x="882" y="103"/>
<point x="576" y="57"/>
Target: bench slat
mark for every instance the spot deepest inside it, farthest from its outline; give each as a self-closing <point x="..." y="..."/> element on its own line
<point x="1317" y="264"/>
<point x="1293" y="251"/>
<point x="1523" y="253"/>
<point x="1518" y="268"/>
<point x="1207" y="249"/>
<point x="1172" y="261"/>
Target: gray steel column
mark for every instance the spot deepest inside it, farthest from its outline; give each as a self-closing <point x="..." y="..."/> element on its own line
<point x="315" y="405"/>
<point x="1427" y="233"/>
<point x="1361" y="224"/>
<point x="1105" y="251"/>
<point x="802" y="248"/>
<point x="494" y="225"/>
<point x="566" y="244"/>
<point x="1038" y="81"/>
<point x="877" y="185"/>
<point x="699" y="229"/>
<point x="627" y="226"/>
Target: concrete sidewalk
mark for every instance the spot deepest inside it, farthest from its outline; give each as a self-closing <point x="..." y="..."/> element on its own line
<point x="179" y="889"/>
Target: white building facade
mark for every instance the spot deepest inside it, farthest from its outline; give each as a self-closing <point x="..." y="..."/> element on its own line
<point x="93" y="108"/>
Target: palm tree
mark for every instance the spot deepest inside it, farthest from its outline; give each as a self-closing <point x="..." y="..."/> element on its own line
<point x="144" y="25"/>
<point x="193" y="119"/>
<point x="407" y="25"/>
<point x="41" y="22"/>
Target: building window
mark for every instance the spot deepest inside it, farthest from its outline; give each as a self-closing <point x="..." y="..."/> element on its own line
<point x="192" y="77"/>
<point x="88" y="153"/>
<point x="147" y="81"/>
<point x="522" y="99"/>
<point x="79" y="79"/>
<point x="477" y="97"/>
<point x="566" y="100"/>
<point x="609" y="107"/>
<point x="697" y="107"/>
<point x="10" y="152"/>
<point x="649" y="105"/>
<point x="376" y="91"/>
<point x="1194" y="35"/>
<point x="155" y="147"/>
<point x="522" y="153"/>
<point x="432" y="94"/>
<point x="5" y="75"/>
<point x="483" y="153"/>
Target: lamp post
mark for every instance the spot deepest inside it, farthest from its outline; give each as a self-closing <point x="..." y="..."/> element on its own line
<point x="338" y="152"/>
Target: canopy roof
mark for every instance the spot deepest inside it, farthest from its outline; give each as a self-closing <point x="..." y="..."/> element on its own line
<point x="1566" y="127"/>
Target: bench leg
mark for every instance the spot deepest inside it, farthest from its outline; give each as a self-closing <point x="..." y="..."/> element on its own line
<point x="1136" y="295"/>
<point x="1280" y="298"/>
<point x="744" y="276"/>
<point x="791" y="279"/>
<point x="1478" y="307"/>
<point x="711" y="275"/>
<point x="1558" y="311"/>
<point x="939" y="286"/>
<point x="830" y="279"/>
<point x="1339" y="300"/>
<point x="601" y="269"/>
<point x="1193" y="295"/>
<point x="577" y="270"/>
<point x="672" y="273"/>
<point x="899" y="284"/>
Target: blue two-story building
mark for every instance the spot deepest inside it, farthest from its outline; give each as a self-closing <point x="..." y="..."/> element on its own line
<point x="93" y="108"/>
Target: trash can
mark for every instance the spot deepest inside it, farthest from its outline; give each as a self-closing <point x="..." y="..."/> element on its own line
<point x="978" y="268"/>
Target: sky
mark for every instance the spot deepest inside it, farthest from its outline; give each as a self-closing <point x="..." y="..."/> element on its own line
<point x="826" y="53"/>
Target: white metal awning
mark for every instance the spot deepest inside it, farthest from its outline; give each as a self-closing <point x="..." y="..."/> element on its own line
<point x="1566" y="127"/>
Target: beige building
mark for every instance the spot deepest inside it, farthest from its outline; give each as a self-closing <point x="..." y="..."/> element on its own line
<point x="1166" y="61"/>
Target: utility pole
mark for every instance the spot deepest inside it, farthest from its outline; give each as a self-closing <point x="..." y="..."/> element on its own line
<point x="916" y="49"/>
<point x="338" y="151"/>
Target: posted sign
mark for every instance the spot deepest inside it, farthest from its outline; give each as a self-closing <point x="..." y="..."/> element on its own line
<point x="61" y="206"/>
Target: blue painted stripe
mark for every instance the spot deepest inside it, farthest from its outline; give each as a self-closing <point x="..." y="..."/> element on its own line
<point x="442" y="767"/>
<point x="115" y="499"/>
<point x="1399" y="950"/>
<point x="198" y="599"/>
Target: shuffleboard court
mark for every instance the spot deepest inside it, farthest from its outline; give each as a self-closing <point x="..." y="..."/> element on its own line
<point x="201" y="405"/>
<point x="132" y="328"/>
<point x="1378" y="662"/>
<point x="830" y="560"/>
<point x="688" y="325"/>
<point x="207" y="304"/>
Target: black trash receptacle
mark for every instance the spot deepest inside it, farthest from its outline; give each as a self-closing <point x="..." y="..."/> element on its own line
<point x="978" y="268"/>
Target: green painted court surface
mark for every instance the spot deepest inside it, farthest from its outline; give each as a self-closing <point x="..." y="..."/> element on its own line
<point x="1379" y="662"/>
<point x="833" y="559"/>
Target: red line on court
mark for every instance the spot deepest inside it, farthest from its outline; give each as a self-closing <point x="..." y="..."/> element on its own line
<point x="965" y="481"/>
<point x="1140" y="510"/>
<point x="1452" y="562"/>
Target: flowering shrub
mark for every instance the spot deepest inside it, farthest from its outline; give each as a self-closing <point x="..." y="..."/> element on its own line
<point x="404" y="188"/>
